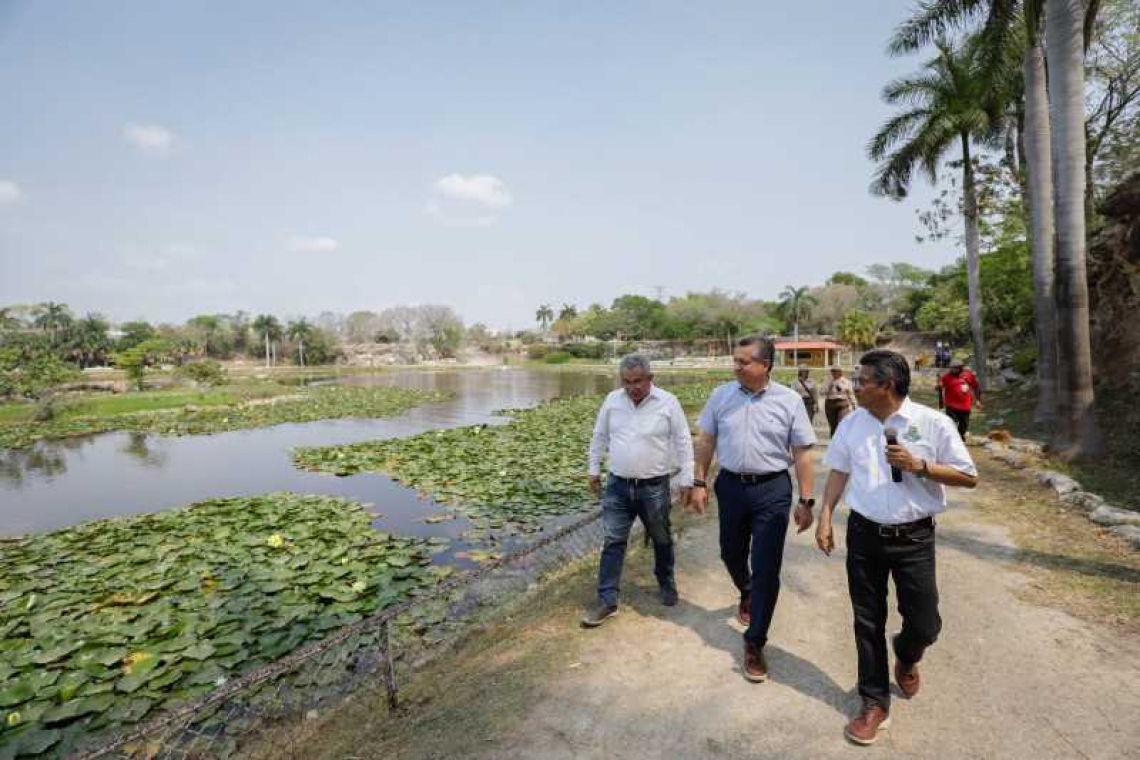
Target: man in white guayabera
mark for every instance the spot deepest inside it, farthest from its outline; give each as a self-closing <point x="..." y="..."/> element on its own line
<point x="645" y="433"/>
<point x="893" y="457"/>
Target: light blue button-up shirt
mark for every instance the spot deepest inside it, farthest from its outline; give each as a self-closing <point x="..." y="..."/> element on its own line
<point x="756" y="432"/>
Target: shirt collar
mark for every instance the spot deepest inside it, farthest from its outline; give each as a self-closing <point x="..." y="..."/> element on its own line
<point x="751" y="394"/>
<point x="907" y="410"/>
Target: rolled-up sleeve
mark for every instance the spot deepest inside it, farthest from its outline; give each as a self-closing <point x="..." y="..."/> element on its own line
<point x="600" y="441"/>
<point x="682" y="442"/>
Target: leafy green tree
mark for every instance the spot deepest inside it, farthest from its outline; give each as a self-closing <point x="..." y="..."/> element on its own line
<point x="946" y="314"/>
<point x="205" y="327"/>
<point x="29" y="369"/>
<point x="858" y="329"/>
<point x="88" y="341"/>
<point x="135" y="333"/>
<point x="847" y="278"/>
<point x="135" y="361"/>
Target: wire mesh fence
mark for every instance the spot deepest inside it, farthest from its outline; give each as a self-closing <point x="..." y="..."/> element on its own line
<point x="264" y="712"/>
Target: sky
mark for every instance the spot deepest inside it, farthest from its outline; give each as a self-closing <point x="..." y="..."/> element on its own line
<point x="161" y="160"/>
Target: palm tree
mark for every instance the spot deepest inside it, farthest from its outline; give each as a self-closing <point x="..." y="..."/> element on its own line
<point x="1004" y="21"/>
<point x="797" y="302"/>
<point x="1014" y="26"/>
<point x="1064" y="49"/>
<point x="568" y="311"/>
<point x="858" y="329"/>
<point x="208" y="324"/>
<point x="51" y="317"/>
<point x="544" y="316"/>
<point x="268" y="326"/>
<point x="947" y="103"/>
<point x="298" y="330"/>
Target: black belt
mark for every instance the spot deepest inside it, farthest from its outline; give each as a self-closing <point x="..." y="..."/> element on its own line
<point x="641" y="481"/>
<point x="901" y="530"/>
<point x="752" y="477"/>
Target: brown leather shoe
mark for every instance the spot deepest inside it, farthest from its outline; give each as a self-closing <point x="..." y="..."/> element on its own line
<point x="755" y="666"/>
<point x="907" y="678"/>
<point x="864" y="728"/>
<point x="744" y="611"/>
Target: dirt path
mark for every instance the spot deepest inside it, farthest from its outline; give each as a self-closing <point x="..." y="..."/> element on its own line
<point x="1008" y="679"/>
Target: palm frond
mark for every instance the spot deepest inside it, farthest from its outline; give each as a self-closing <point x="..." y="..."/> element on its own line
<point x="933" y="19"/>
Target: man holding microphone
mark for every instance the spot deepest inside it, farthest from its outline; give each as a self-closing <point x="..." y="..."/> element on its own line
<point x="889" y="461"/>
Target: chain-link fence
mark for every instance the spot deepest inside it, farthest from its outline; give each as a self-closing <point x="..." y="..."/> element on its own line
<point x="264" y="712"/>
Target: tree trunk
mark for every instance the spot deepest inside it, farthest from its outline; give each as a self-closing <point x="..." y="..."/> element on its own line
<point x="301" y="349"/>
<point x="796" y="341"/>
<point x="1078" y="433"/>
<point x="1039" y="198"/>
<point x="973" y="262"/>
<point x="267" y="349"/>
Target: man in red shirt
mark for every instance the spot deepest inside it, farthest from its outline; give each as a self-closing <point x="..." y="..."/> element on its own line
<point x="958" y="392"/>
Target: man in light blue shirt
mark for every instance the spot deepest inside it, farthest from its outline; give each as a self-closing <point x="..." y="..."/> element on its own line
<point x="758" y="430"/>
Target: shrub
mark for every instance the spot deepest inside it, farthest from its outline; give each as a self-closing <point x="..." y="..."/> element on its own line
<point x="537" y="351"/>
<point x="557" y="357"/>
<point x="1025" y="360"/>
<point x="204" y="372"/>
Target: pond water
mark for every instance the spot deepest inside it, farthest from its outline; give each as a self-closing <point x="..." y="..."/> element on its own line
<point x="62" y="483"/>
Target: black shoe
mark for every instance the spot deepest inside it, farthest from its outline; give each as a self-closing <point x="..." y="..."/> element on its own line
<point x="669" y="594"/>
<point x="598" y="614"/>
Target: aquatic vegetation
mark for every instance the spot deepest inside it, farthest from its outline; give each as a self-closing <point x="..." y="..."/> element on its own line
<point x="107" y="623"/>
<point x="506" y="479"/>
<point x="305" y="405"/>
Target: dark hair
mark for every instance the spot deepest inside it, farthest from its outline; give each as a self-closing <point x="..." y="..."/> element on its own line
<point x="888" y="366"/>
<point x="765" y="350"/>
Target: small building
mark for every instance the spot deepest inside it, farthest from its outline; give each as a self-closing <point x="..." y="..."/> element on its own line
<point x="811" y="353"/>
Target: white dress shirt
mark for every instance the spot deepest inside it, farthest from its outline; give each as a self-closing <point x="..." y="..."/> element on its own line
<point x="859" y="449"/>
<point x="643" y="441"/>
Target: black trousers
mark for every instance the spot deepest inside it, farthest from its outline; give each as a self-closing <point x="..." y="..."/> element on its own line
<point x="871" y="559"/>
<point x="961" y="419"/>
<point x="754" y="520"/>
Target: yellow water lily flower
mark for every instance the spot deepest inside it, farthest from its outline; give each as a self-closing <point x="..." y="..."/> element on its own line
<point x="13" y="719"/>
<point x="276" y="541"/>
<point x="359" y="586"/>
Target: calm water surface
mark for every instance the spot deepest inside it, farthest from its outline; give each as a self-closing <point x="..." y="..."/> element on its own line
<point x="63" y="483"/>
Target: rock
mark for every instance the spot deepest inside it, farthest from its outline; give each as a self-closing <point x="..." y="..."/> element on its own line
<point x="1013" y="459"/>
<point x="1001" y="436"/>
<point x="974" y="440"/>
<point x="1106" y="515"/>
<point x="1060" y="483"/>
<point x="1084" y="500"/>
<point x="995" y="447"/>
<point x="1026" y="446"/>
<point x="1130" y="533"/>
<point x="1012" y="376"/>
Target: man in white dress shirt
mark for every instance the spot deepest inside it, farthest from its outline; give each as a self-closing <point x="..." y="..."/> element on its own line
<point x="890" y="530"/>
<point x="644" y="431"/>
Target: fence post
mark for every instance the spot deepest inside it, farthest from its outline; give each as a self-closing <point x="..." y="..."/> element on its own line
<point x="390" y="667"/>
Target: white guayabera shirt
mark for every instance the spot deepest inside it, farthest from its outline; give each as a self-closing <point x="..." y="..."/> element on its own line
<point x="643" y="441"/>
<point x="859" y="449"/>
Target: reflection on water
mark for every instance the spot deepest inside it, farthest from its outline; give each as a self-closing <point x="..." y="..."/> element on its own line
<point x="62" y="483"/>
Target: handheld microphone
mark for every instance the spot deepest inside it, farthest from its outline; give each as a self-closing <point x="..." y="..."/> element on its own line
<point x="892" y="435"/>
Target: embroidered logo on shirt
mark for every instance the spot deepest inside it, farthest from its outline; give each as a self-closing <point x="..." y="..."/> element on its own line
<point x="912" y="434"/>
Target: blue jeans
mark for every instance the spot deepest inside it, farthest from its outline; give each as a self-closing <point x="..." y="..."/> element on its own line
<point x="754" y="520"/>
<point x="622" y="503"/>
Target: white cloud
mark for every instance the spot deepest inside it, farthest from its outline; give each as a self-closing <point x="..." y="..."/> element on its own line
<point x="10" y="192"/>
<point x="152" y="139"/>
<point x="484" y="189"/>
<point x="313" y="244"/>
<point x="433" y="210"/>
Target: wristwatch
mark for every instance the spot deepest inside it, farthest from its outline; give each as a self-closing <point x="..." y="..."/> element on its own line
<point x="809" y="503"/>
<point x="698" y="483"/>
<point x="925" y="470"/>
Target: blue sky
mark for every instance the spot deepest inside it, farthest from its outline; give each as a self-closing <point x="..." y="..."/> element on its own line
<point x="161" y="160"/>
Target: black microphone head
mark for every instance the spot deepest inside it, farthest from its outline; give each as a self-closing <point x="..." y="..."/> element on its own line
<point x="892" y="435"/>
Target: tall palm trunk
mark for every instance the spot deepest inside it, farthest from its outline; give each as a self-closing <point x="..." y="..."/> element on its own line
<point x="973" y="262"/>
<point x="1078" y="432"/>
<point x="266" y="348"/>
<point x="1039" y="194"/>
